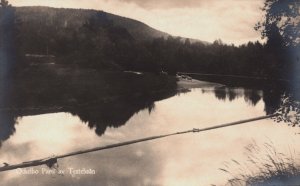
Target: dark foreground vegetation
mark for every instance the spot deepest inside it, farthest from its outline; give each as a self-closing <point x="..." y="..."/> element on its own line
<point x="266" y="167"/>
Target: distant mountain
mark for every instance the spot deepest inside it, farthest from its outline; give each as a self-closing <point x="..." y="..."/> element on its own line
<point x="97" y="39"/>
<point x="61" y="17"/>
<point x="75" y="18"/>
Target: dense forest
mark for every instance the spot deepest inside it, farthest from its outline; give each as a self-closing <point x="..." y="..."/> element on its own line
<point x="100" y="40"/>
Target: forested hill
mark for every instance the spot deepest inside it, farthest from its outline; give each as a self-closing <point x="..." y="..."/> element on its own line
<point x="89" y="38"/>
<point x="100" y="40"/>
<point x="59" y="18"/>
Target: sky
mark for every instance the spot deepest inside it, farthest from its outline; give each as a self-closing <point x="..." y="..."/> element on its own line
<point x="232" y="21"/>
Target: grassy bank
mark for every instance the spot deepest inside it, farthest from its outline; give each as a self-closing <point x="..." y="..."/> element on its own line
<point x="265" y="166"/>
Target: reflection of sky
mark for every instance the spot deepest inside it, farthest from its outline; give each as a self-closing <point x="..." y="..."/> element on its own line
<point x="190" y="159"/>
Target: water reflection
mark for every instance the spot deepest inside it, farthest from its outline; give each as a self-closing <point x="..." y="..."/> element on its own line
<point x="251" y="96"/>
<point x="271" y="96"/>
<point x="181" y="160"/>
<point x="98" y="116"/>
<point x="116" y="112"/>
<point x="100" y="99"/>
<point x="44" y="120"/>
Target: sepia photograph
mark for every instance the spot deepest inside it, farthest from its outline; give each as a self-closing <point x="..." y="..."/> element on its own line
<point x="150" y="93"/>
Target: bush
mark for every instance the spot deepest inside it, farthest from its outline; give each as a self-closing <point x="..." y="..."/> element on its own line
<point x="265" y="166"/>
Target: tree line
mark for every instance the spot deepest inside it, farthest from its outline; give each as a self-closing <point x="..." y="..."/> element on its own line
<point x="99" y="43"/>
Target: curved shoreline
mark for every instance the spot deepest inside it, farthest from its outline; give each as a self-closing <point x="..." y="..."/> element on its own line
<point x="193" y="83"/>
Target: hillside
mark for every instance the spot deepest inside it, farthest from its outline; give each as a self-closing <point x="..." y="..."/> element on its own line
<point x="99" y="40"/>
<point x="75" y="18"/>
<point x="89" y="38"/>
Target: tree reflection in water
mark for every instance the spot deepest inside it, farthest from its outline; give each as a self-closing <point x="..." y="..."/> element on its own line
<point x="103" y="108"/>
<point x="273" y="98"/>
<point x="110" y="103"/>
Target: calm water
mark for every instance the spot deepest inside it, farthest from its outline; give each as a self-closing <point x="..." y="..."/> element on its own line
<point x="191" y="159"/>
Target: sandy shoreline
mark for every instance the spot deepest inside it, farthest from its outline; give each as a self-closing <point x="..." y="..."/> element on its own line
<point x="188" y="84"/>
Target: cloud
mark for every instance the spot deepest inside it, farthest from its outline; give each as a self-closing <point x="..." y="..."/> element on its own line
<point x="162" y="4"/>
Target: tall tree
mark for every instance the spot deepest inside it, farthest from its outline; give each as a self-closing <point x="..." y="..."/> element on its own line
<point x="281" y="27"/>
<point x="8" y="47"/>
<point x="4" y="3"/>
<point x="281" y="22"/>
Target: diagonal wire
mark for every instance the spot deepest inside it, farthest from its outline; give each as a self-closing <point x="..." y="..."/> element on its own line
<point x="51" y="161"/>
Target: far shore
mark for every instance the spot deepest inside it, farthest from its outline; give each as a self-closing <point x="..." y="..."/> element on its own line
<point x="193" y="83"/>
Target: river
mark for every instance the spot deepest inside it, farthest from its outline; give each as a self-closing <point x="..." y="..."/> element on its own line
<point x="190" y="159"/>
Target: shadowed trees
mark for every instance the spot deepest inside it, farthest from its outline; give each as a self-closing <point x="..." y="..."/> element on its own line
<point x="98" y="41"/>
<point x="8" y="56"/>
<point x="8" y="47"/>
<point x="281" y="27"/>
<point x="4" y="4"/>
<point x="281" y="22"/>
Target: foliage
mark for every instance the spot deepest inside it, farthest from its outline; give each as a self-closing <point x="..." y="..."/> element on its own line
<point x="281" y="27"/>
<point x="281" y="21"/>
<point x="289" y="111"/>
<point x="93" y="39"/>
<point x="96" y="39"/>
<point x="4" y="4"/>
<point x="9" y="54"/>
<point x="264" y="166"/>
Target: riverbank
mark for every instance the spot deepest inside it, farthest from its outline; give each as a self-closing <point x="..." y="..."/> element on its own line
<point x="193" y="83"/>
<point x="62" y="85"/>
